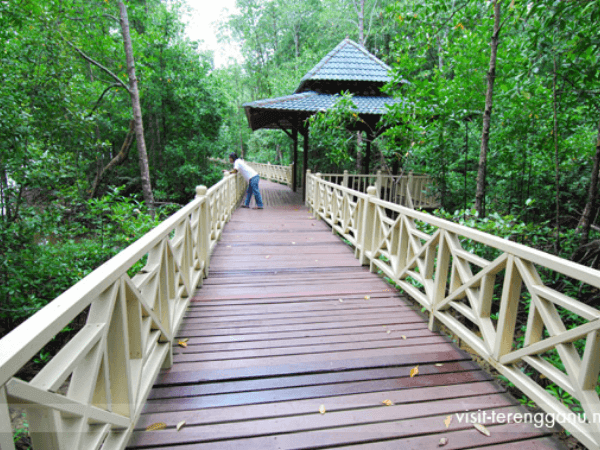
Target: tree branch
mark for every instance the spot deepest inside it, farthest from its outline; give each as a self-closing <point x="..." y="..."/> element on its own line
<point x="97" y="64"/>
<point x="102" y="96"/>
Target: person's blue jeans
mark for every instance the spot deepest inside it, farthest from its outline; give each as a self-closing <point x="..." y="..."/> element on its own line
<point x="253" y="189"/>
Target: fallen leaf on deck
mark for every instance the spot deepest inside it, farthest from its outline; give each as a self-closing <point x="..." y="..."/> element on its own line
<point x="387" y="402"/>
<point x="448" y="421"/>
<point x="293" y="243"/>
<point x="403" y="337"/>
<point x="267" y="257"/>
<point x="180" y="425"/>
<point x="156" y="426"/>
<point x="322" y="409"/>
<point x="414" y="371"/>
<point x="388" y="331"/>
<point x="367" y="297"/>
<point x="439" y="365"/>
<point x="341" y="301"/>
<point x="229" y="246"/>
<point x="482" y="429"/>
<point x="443" y="441"/>
<point x="182" y="344"/>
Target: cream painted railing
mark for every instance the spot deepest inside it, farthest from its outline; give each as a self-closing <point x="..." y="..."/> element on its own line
<point x="410" y="190"/>
<point x="281" y="174"/>
<point x="424" y="256"/>
<point x="90" y="395"/>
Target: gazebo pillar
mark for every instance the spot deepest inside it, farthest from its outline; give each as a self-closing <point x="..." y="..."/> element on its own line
<point x="304" y="160"/>
<point x="295" y="158"/>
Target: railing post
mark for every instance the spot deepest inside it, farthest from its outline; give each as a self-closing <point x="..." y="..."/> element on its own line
<point x="365" y="240"/>
<point x="345" y="180"/>
<point x="6" y="431"/>
<point x="317" y="194"/>
<point x="204" y="230"/>
<point x="309" y="194"/>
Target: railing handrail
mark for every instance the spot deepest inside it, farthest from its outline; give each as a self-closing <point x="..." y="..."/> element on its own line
<point x="406" y="189"/>
<point x="145" y="314"/>
<point x="268" y="171"/>
<point x="436" y="271"/>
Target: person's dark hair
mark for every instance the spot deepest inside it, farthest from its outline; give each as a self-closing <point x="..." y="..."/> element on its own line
<point x="233" y="155"/>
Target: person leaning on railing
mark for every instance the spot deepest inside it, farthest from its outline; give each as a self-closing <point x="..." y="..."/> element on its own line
<point x="251" y="176"/>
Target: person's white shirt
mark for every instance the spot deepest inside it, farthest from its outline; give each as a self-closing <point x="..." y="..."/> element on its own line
<point x="247" y="172"/>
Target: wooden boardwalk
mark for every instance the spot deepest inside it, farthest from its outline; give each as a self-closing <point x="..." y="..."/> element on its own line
<point x="287" y="323"/>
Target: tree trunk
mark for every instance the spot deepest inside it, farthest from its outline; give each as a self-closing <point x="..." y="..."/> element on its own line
<point x="361" y="23"/>
<point x="585" y="223"/>
<point x="359" y="154"/>
<point x="556" y="159"/>
<point x="137" y="110"/>
<point x="117" y="160"/>
<point x="487" y="115"/>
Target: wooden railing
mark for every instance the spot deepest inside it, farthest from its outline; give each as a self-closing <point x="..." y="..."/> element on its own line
<point x="425" y="257"/>
<point x="90" y="395"/>
<point x="281" y="174"/>
<point x="411" y="190"/>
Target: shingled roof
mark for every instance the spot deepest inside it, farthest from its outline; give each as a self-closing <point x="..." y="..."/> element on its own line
<point x="348" y="67"/>
<point x="347" y="62"/>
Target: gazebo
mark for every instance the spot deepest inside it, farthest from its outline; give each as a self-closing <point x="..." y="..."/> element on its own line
<point x="348" y="67"/>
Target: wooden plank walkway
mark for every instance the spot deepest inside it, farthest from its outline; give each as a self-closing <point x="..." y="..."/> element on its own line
<point x="288" y="321"/>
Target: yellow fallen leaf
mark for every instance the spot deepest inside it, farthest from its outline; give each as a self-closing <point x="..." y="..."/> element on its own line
<point x="448" y="421"/>
<point x="387" y="402"/>
<point x="322" y="409"/>
<point x="367" y="297"/>
<point x="388" y="331"/>
<point x="182" y="344"/>
<point x="443" y="441"/>
<point x="156" y="426"/>
<point x="180" y="425"/>
<point x="267" y="257"/>
<point x="403" y="337"/>
<point x="482" y="429"/>
<point x="439" y="365"/>
<point x="184" y="339"/>
<point x="414" y="371"/>
<point x="293" y="243"/>
<point x="341" y="301"/>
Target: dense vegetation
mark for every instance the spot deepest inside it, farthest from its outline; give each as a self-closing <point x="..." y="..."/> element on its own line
<point x="513" y="137"/>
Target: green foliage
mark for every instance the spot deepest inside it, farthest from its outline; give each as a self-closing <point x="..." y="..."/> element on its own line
<point x="49" y="250"/>
<point x="331" y="135"/>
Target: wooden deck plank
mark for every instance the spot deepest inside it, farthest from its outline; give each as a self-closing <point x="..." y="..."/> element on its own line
<point x="270" y="341"/>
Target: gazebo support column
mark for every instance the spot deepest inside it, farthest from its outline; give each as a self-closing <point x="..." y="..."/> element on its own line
<point x="295" y="159"/>
<point x="304" y="161"/>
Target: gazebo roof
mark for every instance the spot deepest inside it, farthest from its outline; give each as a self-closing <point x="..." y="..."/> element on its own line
<point x="278" y="112"/>
<point x="348" y="67"/>
<point x="348" y="61"/>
